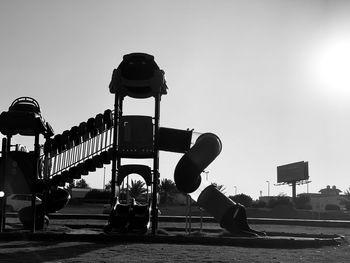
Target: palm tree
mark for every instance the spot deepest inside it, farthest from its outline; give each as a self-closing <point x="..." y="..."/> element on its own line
<point x="166" y="187"/>
<point x="136" y="189"/>
<point x="108" y="186"/>
<point x="81" y="184"/>
<point x="347" y="193"/>
<point x="346" y="200"/>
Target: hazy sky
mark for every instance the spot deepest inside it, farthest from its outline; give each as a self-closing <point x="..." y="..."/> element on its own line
<point x="268" y="77"/>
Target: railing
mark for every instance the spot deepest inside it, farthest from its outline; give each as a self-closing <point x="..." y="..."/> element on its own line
<point x="57" y="163"/>
<point x="79" y="144"/>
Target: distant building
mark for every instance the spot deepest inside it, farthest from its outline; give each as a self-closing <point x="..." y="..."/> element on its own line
<point x="330" y="191"/>
<point x="319" y="201"/>
<point x="326" y="196"/>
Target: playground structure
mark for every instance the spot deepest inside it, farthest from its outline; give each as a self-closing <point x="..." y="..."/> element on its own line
<point x="26" y="172"/>
<point x="108" y="138"/>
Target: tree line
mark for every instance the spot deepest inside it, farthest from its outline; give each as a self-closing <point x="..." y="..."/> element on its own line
<point x="167" y="188"/>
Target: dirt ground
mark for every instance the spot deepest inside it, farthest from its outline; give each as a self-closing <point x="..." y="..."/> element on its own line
<point x="77" y="251"/>
<point x="20" y="251"/>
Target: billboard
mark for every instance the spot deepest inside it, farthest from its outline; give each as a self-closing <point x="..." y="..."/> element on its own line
<point x="293" y="172"/>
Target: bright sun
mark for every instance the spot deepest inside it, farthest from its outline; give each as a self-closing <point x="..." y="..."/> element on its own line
<point x="330" y="66"/>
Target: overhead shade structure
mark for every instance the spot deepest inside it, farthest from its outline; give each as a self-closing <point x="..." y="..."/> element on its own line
<point x="138" y="76"/>
<point x="24" y="118"/>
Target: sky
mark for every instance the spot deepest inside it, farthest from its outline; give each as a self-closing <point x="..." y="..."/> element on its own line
<point x="268" y="77"/>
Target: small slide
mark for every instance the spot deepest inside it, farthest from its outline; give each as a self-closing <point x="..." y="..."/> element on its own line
<point x="230" y="215"/>
<point x="57" y="199"/>
<point x="128" y="218"/>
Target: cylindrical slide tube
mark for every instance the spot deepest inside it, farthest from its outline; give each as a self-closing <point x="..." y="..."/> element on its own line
<point x="188" y="170"/>
<point x="230" y="215"/>
<point x="212" y="200"/>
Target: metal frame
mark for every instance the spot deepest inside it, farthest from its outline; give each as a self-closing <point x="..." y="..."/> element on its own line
<point x="116" y="161"/>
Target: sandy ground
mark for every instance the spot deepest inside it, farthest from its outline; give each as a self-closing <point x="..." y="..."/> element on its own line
<point x="90" y="252"/>
<point x="65" y="251"/>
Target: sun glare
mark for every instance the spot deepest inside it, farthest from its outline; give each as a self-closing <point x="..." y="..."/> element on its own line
<point x="330" y="66"/>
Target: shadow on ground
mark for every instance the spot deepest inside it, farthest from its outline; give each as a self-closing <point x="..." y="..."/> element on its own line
<point x="37" y="252"/>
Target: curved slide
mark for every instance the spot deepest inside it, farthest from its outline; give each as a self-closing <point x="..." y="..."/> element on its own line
<point x="57" y="199"/>
<point x="187" y="176"/>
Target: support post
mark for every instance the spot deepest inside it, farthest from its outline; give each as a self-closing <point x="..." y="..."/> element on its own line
<point x="8" y="145"/>
<point x="46" y="180"/>
<point x="2" y="185"/>
<point x="35" y="179"/>
<point x="114" y="149"/>
<point x="156" y="174"/>
<point x="115" y="159"/>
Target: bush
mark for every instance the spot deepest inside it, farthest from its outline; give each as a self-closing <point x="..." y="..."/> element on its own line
<point x="302" y="202"/>
<point x="98" y="195"/>
<point x="347" y="206"/>
<point x="346" y="202"/>
<point x="305" y="207"/>
<point x="280" y="201"/>
<point x="332" y="207"/>
<point x="242" y="199"/>
<point x="259" y="204"/>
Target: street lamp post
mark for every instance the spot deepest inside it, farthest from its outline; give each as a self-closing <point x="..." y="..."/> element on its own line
<point x="268" y="188"/>
<point x="206" y="175"/>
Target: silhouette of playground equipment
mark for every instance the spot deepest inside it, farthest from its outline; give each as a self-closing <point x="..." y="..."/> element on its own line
<point x="108" y="138"/>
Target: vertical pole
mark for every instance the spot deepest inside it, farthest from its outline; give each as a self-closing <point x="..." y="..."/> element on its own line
<point x="189" y="215"/>
<point x="46" y="179"/>
<point x="114" y="147"/>
<point x="127" y="189"/>
<point x="34" y="178"/>
<point x="2" y="185"/>
<point x="8" y="146"/>
<point x="120" y="113"/>
<point x="155" y="166"/>
<point x="268" y="188"/>
<point x="201" y="218"/>
<point x="186" y="216"/>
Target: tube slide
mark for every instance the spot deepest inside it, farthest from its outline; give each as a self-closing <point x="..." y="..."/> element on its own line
<point x="187" y="176"/>
<point x="57" y="199"/>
